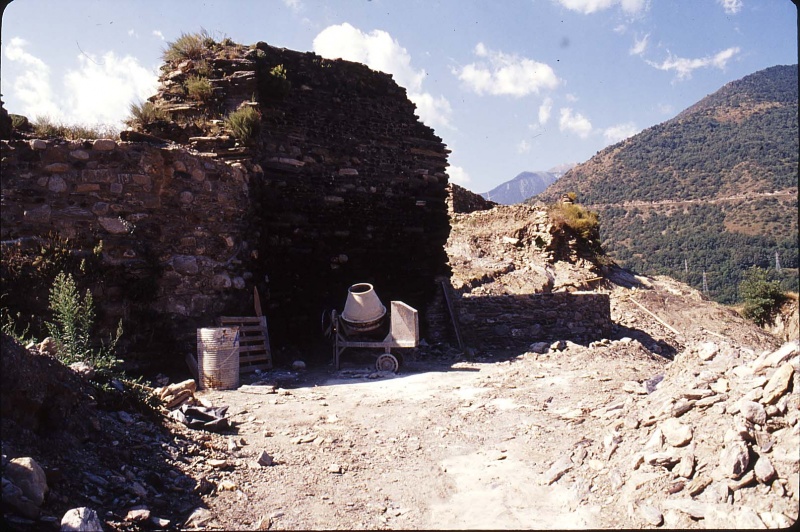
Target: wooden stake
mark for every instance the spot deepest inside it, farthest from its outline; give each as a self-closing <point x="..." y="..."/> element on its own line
<point x="659" y="320"/>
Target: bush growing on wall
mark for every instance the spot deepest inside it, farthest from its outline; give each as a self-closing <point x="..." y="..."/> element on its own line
<point x="198" y="88"/>
<point x="144" y="114"/>
<point x="244" y="123"/>
<point x="188" y="46"/>
<point x="581" y="221"/>
<point x="46" y="127"/>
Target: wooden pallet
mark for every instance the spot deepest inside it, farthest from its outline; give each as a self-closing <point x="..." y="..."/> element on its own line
<point x="254" y="351"/>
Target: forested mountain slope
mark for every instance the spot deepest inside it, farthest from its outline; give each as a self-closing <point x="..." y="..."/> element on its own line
<point x="712" y="190"/>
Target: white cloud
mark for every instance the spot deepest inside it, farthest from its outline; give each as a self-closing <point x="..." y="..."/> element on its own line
<point x="98" y="91"/>
<point x="574" y="122"/>
<point x="433" y="111"/>
<point x="684" y="67"/>
<point x="506" y="74"/>
<point x="570" y="97"/>
<point x="639" y="45"/>
<point x="620" y="132"/>
<point x="158" y="34"/>
<point x="294" y="5"/>
<point x="590" y="6"/>
<point x="524" y="146"/>
<point x="376" y="49"/>
<point x="731" y="7"/>
<point x="32" y="87"/>
<point x="544" y="110"/>
<point x="132" y="33"/>
<point x="458" y="175"/>
<point x="379" y="51"/>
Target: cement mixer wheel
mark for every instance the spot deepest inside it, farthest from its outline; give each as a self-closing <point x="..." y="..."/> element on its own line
<point x="387" y="362"/>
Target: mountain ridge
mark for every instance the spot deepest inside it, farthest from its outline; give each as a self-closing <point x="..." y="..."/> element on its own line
<point x="706" y="194"/>
<point x="526" y="184"/>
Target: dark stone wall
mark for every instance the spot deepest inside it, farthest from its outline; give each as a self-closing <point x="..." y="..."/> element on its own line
<point x="353" y="190"/>
<point x="516" y="321"/>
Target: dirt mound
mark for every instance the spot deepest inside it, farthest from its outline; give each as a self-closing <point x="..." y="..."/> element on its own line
<point x="40" y="394"/>
<point x="110" y="460"/>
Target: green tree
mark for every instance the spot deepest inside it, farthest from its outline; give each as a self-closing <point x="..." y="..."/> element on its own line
<point x="761" y="296"/>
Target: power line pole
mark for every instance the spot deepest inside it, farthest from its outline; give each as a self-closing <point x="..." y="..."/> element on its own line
<point x="685" y="266"/>
<point x="705" y="283"/>
<point x="777" y="262"/>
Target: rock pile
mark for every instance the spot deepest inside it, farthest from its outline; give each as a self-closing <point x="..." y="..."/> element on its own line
<point x="715" y="438"/>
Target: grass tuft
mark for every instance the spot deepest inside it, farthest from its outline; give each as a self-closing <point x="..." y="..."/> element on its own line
<point x="188" y="46"/>
<point x="244" y="124"/>
<point x="46" y="127"/>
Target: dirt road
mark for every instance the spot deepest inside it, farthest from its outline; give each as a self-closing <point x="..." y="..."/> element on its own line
<point x="439" y="445"/>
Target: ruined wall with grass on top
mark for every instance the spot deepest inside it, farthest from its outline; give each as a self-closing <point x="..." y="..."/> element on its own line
<point x="351" y="186"/>
<point x="167" y="227"/>
<point x="340" y="183"/>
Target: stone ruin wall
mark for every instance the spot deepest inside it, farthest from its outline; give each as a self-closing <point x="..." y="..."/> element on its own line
<point x="344" y="185"/>
<point x="517" y="321"/>
<point x="168" y="221"/>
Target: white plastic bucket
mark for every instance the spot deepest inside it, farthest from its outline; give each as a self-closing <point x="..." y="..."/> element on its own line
<point x="218" y="358"/>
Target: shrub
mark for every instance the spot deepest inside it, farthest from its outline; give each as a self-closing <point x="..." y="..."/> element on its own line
<point x="244" y="123"/>
<point x="46" y="127"/>
<point x="581" y="221"/>
<point x="9" y="324"/>
<point x="73" y="322"/>
<point x="274" y="83"/>
<point x="187" y="46"/>
<point x="20" y="122"/>
<point x="203" y="68"/>
<point x="761" y="297"/>
<point x="198" y="88"/>
<point x="144" y="114"/>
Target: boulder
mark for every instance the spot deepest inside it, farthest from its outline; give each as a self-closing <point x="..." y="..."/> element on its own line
<point x="539" y="347"/>
<point x="778" y="384"/>
<point x="676" y="433"/>
<point x="13" y="497"/>
<point x="753" y="412"/>
<point x="764" y="470"/>
<point x="734" y="459"/>
<point x="29" y="477"/>
<point x="81" y="520"/>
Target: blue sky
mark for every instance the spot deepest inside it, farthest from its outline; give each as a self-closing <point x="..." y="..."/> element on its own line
<point x="509" y="85"/>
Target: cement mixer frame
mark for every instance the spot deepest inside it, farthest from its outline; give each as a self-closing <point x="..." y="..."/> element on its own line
<point x="403" y="333"/>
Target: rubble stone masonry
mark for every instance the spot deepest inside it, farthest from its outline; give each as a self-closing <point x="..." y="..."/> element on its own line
<point x="516" y="321"/>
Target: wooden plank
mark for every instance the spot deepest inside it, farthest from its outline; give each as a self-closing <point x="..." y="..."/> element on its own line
<point x="241" y="319"/>
<point x="192" y="363"/>
<point x="251" y="328"/>
<point x="249" y="348"/>
<point x="257" y="302"/>
<point x="253" y="341"/>
<point x="453" y="318"/>
<point x="251" y="360"/>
